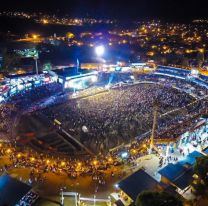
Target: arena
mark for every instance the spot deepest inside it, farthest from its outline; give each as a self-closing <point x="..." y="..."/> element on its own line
<point x="100" y="119"/>
<point x="98" y="135"/>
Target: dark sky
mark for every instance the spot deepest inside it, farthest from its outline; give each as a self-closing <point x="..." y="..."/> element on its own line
<point x="181" y="10"/>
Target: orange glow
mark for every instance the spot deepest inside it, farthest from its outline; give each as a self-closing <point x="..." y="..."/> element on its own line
<point x="34" y="36"/>
<point x="151" y="53"/>
<point x="95" y="162"/>
<point x="45" y="21"/>
<point x="201" y="50"/>
<point x="32" y="159"/>
<point x="110" y="159"/>
<point x="63" y="164"/>
<point x="8" y="150"/>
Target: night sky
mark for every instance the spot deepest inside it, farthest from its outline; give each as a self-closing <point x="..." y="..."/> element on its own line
<point x="180" y="10"/>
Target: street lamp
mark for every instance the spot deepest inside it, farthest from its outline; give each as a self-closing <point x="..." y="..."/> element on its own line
<point x="99" y="50"/>
<point x="36" y="63"/>
<point x="62" y="197"/>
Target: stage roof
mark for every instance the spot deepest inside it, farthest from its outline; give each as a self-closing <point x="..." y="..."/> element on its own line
<point x="71" y="71"/>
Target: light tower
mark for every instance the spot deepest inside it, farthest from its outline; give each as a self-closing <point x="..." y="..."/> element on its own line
<point x="100" y="51"/>
<point x="36" y="63"/>
<point x="154" y="125"/>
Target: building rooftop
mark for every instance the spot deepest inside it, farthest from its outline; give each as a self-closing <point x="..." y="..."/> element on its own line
<point x="71" y="71"/>
<point x="185" y="179"/>
<point x="14" y="76"/>
<point x="205" y="150"/>
<point x="181" y="173"/>
<point x="172" y="171"/>
<point x="191" y="158"/>
<point x="119" y="203"/>
<point x="11" y="190"/>
<point x="136" y="183"/>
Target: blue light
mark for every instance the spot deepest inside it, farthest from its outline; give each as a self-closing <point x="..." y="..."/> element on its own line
<point x="118" y="69"/>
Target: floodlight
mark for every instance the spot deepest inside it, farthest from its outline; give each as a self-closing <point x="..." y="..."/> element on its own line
<point x="100" y="50"/>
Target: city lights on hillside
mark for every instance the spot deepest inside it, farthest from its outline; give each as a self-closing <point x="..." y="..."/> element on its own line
<point x="45" y="21"/>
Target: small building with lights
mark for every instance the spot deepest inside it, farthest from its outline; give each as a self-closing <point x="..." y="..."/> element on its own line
<point x="130" y="187"/>
<point x="177" y="175"/>
<point x="181" y="174"/>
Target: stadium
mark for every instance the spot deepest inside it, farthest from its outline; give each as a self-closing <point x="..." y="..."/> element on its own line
<point x="113" y="114"/>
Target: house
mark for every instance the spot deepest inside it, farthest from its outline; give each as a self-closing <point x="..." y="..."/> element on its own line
<point x="136" y="183"/>
<point x="181" y="174"/>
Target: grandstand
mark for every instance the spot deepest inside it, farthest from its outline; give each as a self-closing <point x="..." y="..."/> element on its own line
<point x="118" y="115"/>
<point x="114" y="112"/>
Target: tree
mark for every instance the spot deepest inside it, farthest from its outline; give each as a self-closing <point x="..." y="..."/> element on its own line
<point x="173" y="59"/>
<point x="201" y="168"/>
<point x="47" y="67"/>
<point x="205" y="116"/>
<point x="149" y="198"/>
<point x="200" y="185"/>
<point x="164" y="60"/>
<point x="10" y="60"/>
<point x="200" y="58"/>
<point x="184" y="61"/>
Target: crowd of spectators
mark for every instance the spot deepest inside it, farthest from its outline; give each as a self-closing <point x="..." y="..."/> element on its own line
<point x="102" y="117"/>
<point x="184" y="85"/>
<point x="22" y="101"/>
<point x="118" y="115"/>
<point x="39" y="164"/>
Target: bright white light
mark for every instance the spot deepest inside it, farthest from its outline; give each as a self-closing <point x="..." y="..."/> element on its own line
<point x="74" y="94"/>
<point x="71" y="84"/>
<point x="124" y="155"/>
<point x="99" y="50"/>
<point x="132" y="77"/>
<point x="194" y="72"/>
<point x="107" y="86"/>
<point x="85" y="129"/>
<point x="94" y="78"/>
<point x="1" y="99"/>
<point x="119" y="63"/>
<point x="20" y="87"/>
<point x="116" y="185"/>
